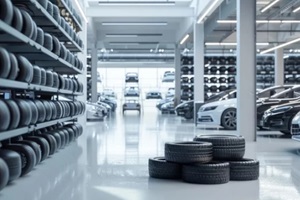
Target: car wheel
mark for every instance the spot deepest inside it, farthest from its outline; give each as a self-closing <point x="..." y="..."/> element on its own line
<point x="44" y="145"/>
<point x="208" y="173"/>
<point x="159" y="168"/>
<point x="189" y="115"/>
<point x="228" y="119"/>
<point x="14" y="163"/>
<point x="27" y="155"/>
<point x="188" y="152"/>
<point x="4" y="171"/>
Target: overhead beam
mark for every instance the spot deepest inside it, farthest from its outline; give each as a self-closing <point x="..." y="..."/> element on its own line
<point x="139" y="11"/>
<point x="262" y="31"/>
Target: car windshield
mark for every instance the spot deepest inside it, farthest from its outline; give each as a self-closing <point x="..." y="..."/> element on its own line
<point x="272" y="91"/>
<point x="289" y="93"/>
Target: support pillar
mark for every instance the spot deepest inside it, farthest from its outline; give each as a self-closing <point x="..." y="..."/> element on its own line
<point x="246" y="69"/>
<point x="177" y="75"/>
<point x="94" y="75"/>
<point x="279" y="67"/>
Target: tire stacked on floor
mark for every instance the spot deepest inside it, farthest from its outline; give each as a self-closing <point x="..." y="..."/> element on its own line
<point x="209" y="159"/>
<point x="23" y="153"/>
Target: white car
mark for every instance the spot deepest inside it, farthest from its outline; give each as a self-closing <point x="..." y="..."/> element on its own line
<point x="223" y="112"/>
<point x="109" y="93"/>
<point x="132" y="105"/>
<point x="295" y="127"/>
<point x="169" y="77"/>
<point x="132" y="92"/>
<point x="95" y="111"/>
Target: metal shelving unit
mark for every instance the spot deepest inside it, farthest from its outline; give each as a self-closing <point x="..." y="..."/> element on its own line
<point x="16" y="42"/>
<point x="20" y="131"/>
<point x="78" y="25"/>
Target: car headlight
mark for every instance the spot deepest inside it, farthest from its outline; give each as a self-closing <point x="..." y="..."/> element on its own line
<point x="281" y="109"/>
<point x="203" y="109"/>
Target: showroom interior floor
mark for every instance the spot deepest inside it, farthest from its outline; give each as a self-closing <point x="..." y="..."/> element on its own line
<point x="109" y="162"/>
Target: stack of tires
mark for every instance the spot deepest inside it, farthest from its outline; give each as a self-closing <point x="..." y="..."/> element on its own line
<point x="209" y="159"/>
<point x="19" y="156"/>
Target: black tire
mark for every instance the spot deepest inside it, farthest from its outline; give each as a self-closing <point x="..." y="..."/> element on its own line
<point x="48" y="43"/>
<point x="14" y="163"/>
<point x="54" y="111"/>
<point x="35" y="147"/>
<point x="61" y="84"/>
<point x="75" y="130"/>
<point x="35" y="32"/>
<point x="63" y="52"/>
<point x="44" y="3"/>
<point x="67" y="136"/>
<point x="49" y="78"/>
<point x="43" y="77"/>
<point x="71" y="134"/>
<point x="26" y="69"/>
<point x="14" y="67"/>
<point x="55" y="80"/>
<point x="189" y="115"/>
<point x="286" y="132"/>
<point x="50" y="8"/>
<point x="56" y="46"/>
<point x="209" y="173"/>
<point x="57" y="138"/>
<point x="225" y="147"/>
<point x="6" y="11"/>
<point x="159" y="168"/>
<point x="48" y="110"/>
<point x="56" y="13"/>
<point x="27" y="155"/>
<point x="40" y="36"/>
<point x="41" y="110"/>
<point x="36" y="75"/>
<point x="34" y="111"/>
<point x="51" y="141"/>
<point x="59" y="109"/>
<point x="188" y="152"/>
<point x="244" y="170"/>
<point x="62" y="138"/>
<point x="75" y="85"/>
<point x="28" y="24"/>
<point x="4" y="174"/>
<point x="44" y="145"/>
<point x="228" y="119"/>
<point x="15" y="114"/>
<point x="4" y="116"/>
<point x="5" y="63"/>
<point x="17" y="21"/>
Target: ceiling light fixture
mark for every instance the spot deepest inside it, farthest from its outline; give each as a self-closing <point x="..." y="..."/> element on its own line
<point x="269" y="6"/>
<point x="134" y="23"/>
<point x="201" y="18"/>
<point x="261" y="21"/>
<point x="120" y="35"/>
<point x="262" y="2"/>
<point x="296" y="10"/>
<point x="232" y="43"/>
<point x="286" y="56"/>
<point x="81" y="11"/>
<point x="226" y="21"/>
<point x="274" y="22"/>
<point x="184" y="39"/>
<point x="123" y="43"/>
<point x="280" y="46"/>
<point x="136" y="3"/>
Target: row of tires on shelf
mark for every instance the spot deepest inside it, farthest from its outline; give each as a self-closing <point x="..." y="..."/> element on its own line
<point x="220" y="70"/>
<point x="17" y="113"/>
<point x="19" y="156"/>
<point x="206" y="160"/>
<point x="219" y="80"/>
<point x="20" y="19"/>
<point x="17" y="67"/>
<point x="187" y="60"/>
<point x="67" y="14"/>
<point x="220" y="88"/>
<point x="270" y="79"/>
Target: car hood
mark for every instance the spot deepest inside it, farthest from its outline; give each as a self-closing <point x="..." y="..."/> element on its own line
<point x="228" y="102"/>
<point x="184" y="104"/>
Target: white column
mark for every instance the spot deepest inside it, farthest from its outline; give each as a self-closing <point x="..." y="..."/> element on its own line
<point x="198" y="62"/>
<point x="177" y="63"/>
<point x="246" y="69"/>
<point x="279" y="67"/>
<point x="94" y="74"/>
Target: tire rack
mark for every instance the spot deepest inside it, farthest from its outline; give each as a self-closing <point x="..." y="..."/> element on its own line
<point x="88" y="79"/>
<point x="16" y="42"/>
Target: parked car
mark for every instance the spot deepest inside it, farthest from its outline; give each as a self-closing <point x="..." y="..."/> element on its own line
<point x="132" y="92"/>
<point x="153" y="95"/>
<point x="95" y="111"/>
<point x="168" y="77"/>
<point x="185" y="109"/>
<point x="109" y="93"/>
<point x="295" y="127"/>
<point x="163" y="101"/>
<point x="132" y="77"/>
<point x="168" y="108"/>
<point x="108" y="107"/>
<point x="223" y="112"/>
<point x="110" y="101"/>
<point x="170" y="93"/>
<point x="131" y="105"/>
<point x="280" y="117"/>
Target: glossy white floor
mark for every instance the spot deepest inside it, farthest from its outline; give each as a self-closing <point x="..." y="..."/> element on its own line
<point x="109" y="162"/>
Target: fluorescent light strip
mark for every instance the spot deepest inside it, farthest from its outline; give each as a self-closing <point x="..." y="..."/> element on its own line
<point x="81" y="11"/>
<point x="136" y="3"/>
<point x="120" y="35"/>
<point x="207" y="11"/>
<point x="280" y="46"/>
<point x="269" y="5"/>
<point x="232" y="43"/>
<point x="261" y="21"/>
<point x="262" y="2"/>
<point x="134" y="23"/>
<point x="296" y="10"/>
<point x="124" y="43"/>
<point x="184" y="39"/>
